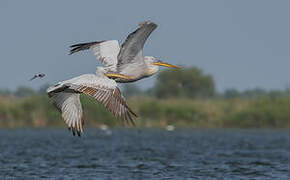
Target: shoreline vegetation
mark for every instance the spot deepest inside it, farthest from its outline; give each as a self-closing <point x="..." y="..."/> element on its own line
<point x="184" y="98"/>
<point x="264" y="112"/>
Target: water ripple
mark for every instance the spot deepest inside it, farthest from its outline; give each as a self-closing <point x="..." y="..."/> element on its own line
<point x="145" y="154"/>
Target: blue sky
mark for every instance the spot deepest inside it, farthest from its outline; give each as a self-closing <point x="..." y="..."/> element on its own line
<point x="243" y="44"/>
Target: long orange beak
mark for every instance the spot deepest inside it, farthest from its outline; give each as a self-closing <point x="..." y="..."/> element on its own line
<point x="160" y="63"/>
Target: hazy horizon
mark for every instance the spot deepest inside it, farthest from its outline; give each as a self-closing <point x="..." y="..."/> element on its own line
<point x="242" y="44"/>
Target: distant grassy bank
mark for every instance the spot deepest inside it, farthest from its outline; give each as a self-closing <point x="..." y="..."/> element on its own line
<point x="264" y="112"/>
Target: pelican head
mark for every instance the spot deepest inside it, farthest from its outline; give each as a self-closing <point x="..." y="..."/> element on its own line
<point x="153" y="64"/>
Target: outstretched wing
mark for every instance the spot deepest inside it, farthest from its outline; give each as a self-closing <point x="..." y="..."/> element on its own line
<point x="35" y="76"/>
<point x="69" y="104"/>
<point x="131" y="49"/>
<point x="99" y="87"/>
<point x="104" y="90"/>
<point x="105" y="51"/>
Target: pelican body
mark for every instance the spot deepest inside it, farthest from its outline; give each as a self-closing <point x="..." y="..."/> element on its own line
<point x="126" y="64"/>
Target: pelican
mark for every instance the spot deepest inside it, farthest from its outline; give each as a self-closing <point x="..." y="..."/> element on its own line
<point x="66" y="98"/>
<point x="125" y="64"/>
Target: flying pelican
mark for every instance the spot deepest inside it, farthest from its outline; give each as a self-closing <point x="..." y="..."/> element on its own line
<point x="125" y="64"/>
<point x="66" y="98"/>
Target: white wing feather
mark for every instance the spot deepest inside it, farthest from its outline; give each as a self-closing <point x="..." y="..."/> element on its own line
<point x="107" y="52"/>
<point x="70" y="106"/>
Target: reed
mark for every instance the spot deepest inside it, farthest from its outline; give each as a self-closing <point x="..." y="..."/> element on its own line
<point x="265" y="112"/>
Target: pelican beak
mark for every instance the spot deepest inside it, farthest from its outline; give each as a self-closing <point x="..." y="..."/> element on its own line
<point x="160" y="63"/>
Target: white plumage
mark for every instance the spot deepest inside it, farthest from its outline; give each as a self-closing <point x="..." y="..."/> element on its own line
<point x="107" y="52"/>
<point x="66" y="97"/>
<point x="125" y="64"/>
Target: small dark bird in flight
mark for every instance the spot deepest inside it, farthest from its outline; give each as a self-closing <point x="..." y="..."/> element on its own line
<point x="40" y="75"/>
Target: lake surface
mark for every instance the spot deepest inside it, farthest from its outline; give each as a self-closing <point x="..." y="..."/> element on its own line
<point x="145" y="154"/>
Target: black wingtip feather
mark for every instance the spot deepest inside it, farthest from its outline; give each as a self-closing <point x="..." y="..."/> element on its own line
<point x="82" y="46"/>
<point x="74" y="131"/>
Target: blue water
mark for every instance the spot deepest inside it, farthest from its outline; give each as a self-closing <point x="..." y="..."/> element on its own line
<point x="145" y="154"/>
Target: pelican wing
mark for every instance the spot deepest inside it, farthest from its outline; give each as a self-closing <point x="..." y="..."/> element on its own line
<point x="97" y="86"/>
<point x="104" y="90"/>
<point x="105" y="51"/>
<point x="69" y="104"/>
<point x="131" y="49"/>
